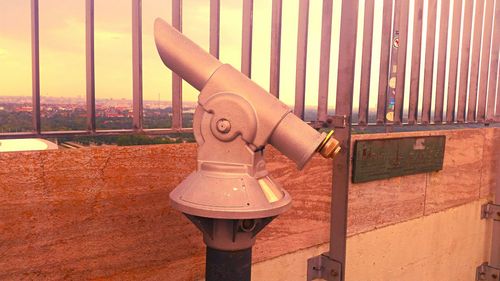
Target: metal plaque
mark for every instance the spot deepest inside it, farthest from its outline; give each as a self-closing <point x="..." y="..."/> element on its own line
<point x="387" y="158"/>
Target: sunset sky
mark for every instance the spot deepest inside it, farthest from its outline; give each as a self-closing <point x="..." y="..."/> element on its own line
<point x="62" y="46"/>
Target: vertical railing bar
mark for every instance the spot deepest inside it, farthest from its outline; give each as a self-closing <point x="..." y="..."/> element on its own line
<point x="429" y="61"/>
<point x="300" y="75"/>
<point x="214" y="27"/>
<point x="441" y="67"/>
<point x="246" y="43"/>
<point x="390" y="95"/>
<point x="474" y="67"/>
<point x="495" y="234"/>
<point x="324" y="61"/>
<point x="35" y="66"/>
<point x="403" y="48"/>
<point x="453" y="67"/>
<point x="464" y="60"/>
<point x="274" y="79"/>
<point x="385" y="54"/>
<point x="176" y="79"/>
<point x="415" y="62"/>
<point x="137" y="64"/>
<point x="495" y="49"/>
<point x="343" y="107"/>
<point x="497" y="114"/>
<point x="90" y="64"/>
<point x="366" y="62"/>
<point x="485" y="59"/>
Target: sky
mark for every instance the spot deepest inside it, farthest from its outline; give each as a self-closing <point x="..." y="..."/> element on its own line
<point x="62" y="47"/>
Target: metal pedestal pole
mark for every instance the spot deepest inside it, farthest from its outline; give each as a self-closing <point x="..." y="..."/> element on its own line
<point x="228" y="265"/>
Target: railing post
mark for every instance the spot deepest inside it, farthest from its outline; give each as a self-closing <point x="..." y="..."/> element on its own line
<point x="366" y="62"/>
<point x="331" y="265"/>
<point x="341" y="166"/>
<point x="274" y="79"/>
<point x="246" y="40"/>
<point x="35" y="66"/>
<point x="300" y="72"/>
<point x="137" y="63"/>
<point x="324" y="61"/>
<point x="385" y="56"/>
<point x="176" y="79"/>
<point x="90" y="67"/>
<point x="214" y="27"/>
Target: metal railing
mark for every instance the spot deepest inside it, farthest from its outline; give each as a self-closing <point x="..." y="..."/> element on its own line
<point x="472" y="95"/>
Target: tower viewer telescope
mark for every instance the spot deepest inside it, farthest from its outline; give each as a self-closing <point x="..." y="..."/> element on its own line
<point x="231" y="197"/>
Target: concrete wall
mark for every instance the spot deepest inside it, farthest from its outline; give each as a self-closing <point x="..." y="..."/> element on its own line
<point x="102" y="213"/>
<point x="447" y="245"/>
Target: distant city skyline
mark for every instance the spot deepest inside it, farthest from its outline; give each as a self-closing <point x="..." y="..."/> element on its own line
<point x="62" y="47"/>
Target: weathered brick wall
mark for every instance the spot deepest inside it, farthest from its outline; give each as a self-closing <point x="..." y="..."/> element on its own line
<point x="102" y="213"/>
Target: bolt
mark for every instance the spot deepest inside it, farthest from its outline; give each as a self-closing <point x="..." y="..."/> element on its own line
<point x="334" y="273"/>
<point x="494" y="276"/>
<point x="248" y="225"/>
<point x="329" y="147"/>
<point x="223" y="126"/>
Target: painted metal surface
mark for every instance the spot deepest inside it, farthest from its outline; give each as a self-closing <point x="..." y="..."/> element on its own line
<point x="442" y="56"/>
<point x="234" y="121"/>
<point x="429" y="61"/>
<point x="237" y="265"/>
<point x="464" y="60"/>
<point x="246" y="41"/>
<point x="474" y="63"/>
<point x="415" y="62"/>
<point x="300" y="73"/>
<point x="214" y="27"/>
<point x="274" y="79"/>
<point x="90" y="64"/>
<point x="385" y="55"/>
<point x="35" y="65"/>
<point x="345" y="86"/>
<point x="324" y="60"/>
<point x="176" y="79"/>
<point x="453" y="66"/>
<point x="387" y="158"/>
<point x="137" y="119"/>
<point x="494" y="69"/>
<point x="54" y="134"/>
<point x="401" y="62"/>
<point x="364" y="95"/>
<point x="485" y="60"/>
<point x="390" y="91"/>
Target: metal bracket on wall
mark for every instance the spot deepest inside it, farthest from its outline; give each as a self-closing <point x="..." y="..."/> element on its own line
<point x="490" y="211"/>
<point x="323" y="267"/>
<point x="337" y="121"/>
<point x="487" y="273"/>
<point x="332" y="122"/>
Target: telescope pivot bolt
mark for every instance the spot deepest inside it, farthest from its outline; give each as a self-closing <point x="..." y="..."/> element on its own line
<point x="223" y="126"/>
<point x="329" y="147"/>
<point x="231" y="197"/>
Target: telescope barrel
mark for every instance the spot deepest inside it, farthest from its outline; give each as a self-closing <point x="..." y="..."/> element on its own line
<point x="183" y="56"/>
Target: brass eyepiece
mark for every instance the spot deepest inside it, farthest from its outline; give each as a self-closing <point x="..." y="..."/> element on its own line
<point x="329" y="147"/>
